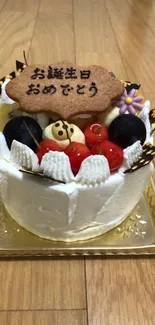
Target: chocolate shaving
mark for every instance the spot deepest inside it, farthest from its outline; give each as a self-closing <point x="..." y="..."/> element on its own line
<point x="26" y="171"/>
<point x="145" y="159"/>
<point x="25" y="59"/>
<point x="152" y="116"/>
<point x="20" y="65"/>
<point x="128" y="85"/>
<point x="32" y="136"/>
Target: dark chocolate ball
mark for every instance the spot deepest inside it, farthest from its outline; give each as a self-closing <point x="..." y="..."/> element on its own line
<point x="126" y="129"/>
<point x="15" y="129"/>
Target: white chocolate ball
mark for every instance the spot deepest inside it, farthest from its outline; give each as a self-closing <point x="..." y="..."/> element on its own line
<point x="62" y="130"/>
<point x="83" y="120"/>
<point x="109" y="116"/>
<point x="77" y="135"/>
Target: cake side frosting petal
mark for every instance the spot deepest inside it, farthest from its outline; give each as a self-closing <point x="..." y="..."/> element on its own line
<point x="94" y="170"/>
<point x="4" y="150"/>
<point x="22" y="156"/>
<point x="144" y="116"/>
<point x="132" y="154"/>
<point x="56" y="165"/>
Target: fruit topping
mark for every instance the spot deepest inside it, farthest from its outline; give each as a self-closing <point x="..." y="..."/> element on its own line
<point x="112" y="152"/>
<point x="76" y="152"/>
<point x="63" y="132"/>
<point x="23" y="129"/>
<point x="95" y="133"/>
<point x="127" y="129"/>
<point x="46" y="146"/>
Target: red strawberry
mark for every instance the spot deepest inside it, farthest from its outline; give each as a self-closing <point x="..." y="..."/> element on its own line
<point x="112" y="152"/>
<point x="76" y="152"/>
<point x="45" y="146"/>
<point x="95" y="133"/>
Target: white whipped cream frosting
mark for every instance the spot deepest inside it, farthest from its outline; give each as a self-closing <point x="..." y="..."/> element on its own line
<point x="56" y="165"/>
<point x="144" y="116"/>
<point x="131" y="155"/>
<point x="86" y="206"/>
<point x="4" y="150"/>
<point x="22" y="156"/>
<point x="4" y="98"/>
<point x="94" y="170"/>
<point x="70" y="212"/>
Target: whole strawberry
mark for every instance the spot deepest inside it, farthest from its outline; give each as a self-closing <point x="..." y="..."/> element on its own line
<point x="45" y="146"/>
<point x="95" y="133"/>
<point x="76" y="152"/>
<point x="112" y="152"/>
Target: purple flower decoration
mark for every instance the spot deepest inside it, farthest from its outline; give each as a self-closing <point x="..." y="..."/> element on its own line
<point x="129" y="103"/>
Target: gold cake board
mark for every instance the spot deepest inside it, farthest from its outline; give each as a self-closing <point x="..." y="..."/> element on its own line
<point x="135" y="236"/>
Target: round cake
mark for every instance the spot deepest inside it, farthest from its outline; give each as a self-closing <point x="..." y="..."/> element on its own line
<point x="76" y="150"/>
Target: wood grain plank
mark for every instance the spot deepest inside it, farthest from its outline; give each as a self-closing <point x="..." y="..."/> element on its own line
<point x="121" y="292"/>
<point x="43" y="318"/>
<point x="136" y="40"/>
<point x="53" y="41"/>
<point x="95" y="42"/>
<point x="16" y="29"/>
<point x="53" y="38"/>
<point x="2" y="4"/>
<point x="19" y="5"/>
<point x="145" y="10"/>
<point x="42" y="284"/>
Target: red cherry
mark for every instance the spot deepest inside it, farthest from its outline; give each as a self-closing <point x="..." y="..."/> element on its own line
<point x="94" y="133"/>
<point x="76" y="152"/>
<point x="45" y="146"/>
<point x="112" y="152"/>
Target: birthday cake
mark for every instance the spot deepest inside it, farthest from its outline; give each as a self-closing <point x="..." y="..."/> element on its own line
<point x="75" y="151"/>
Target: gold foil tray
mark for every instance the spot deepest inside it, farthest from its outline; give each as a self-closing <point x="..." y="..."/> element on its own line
<point x="135" y="236"/>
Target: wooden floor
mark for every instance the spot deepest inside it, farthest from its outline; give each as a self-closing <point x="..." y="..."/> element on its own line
<point x="120" y="35"/>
